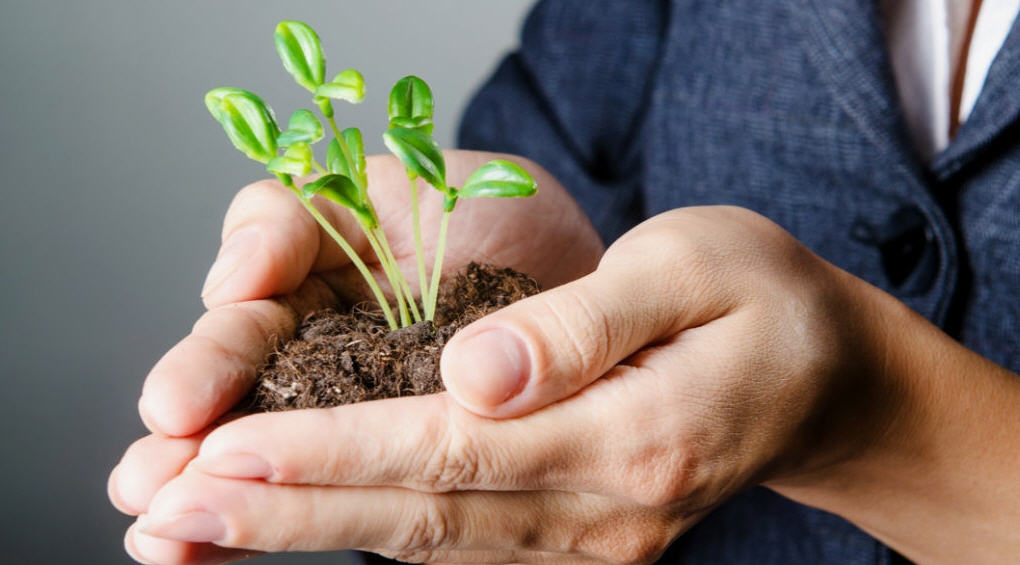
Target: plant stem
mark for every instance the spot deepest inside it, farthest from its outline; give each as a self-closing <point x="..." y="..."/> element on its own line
<point x="437" y="268"/>
<point x="418" y="252"/>
<point x="353" y="255"/>
<point x="388" y="268"/>
<point x="398" y="275"/>
<point x="362" y="189"/>
<point x="339" y="136"/>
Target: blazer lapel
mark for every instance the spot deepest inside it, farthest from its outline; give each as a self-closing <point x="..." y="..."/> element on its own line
<point x="997" y="108"/>
<point x="845" y="41"/>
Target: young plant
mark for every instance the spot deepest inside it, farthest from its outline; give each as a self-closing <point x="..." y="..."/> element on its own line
<point x="251" y="126"/>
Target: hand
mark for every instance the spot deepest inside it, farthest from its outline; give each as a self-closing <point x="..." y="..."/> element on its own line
<point x="272" y="248"/>
<point x="709" y="352"/>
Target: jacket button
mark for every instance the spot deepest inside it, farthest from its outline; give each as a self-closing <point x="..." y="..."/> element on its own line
<point x="907" y="246"/>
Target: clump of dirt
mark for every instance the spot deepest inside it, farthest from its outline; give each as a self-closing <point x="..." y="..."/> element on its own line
<point x="342" y="357"/>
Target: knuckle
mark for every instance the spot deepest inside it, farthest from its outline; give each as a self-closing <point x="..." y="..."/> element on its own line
<point x="662" y="477"/>
<point x="669" y="242"/>
<point x="662" y="493"/>
<point x="640" y="548"/>
<point x="425" y="530"/>
<point x="633" y="538"/>
<point x="453" y="462"/>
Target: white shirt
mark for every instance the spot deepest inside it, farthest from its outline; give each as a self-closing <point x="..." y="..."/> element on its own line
<point x="926" y="40"/>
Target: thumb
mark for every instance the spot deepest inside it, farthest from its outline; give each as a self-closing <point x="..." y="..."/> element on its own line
<point x="548" y="346"/>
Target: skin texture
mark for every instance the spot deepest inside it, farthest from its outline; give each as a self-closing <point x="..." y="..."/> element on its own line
<point x="596" y="422"/>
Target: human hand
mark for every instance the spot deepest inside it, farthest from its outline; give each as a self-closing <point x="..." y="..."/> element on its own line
<point x="273" y="249"/>
<point x="709" y="352"/>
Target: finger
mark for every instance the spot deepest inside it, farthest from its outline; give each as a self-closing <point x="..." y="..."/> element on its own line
<point x="146" y="466"/>
<point x="271" y="244"/>
<point x="210" y="370"/>
<point x="431" y="444"/>
<point x="405" y="524"/>
<point x="497" y="556"/>
<point x="547" y="347"/>
<point x="149" y="549"/>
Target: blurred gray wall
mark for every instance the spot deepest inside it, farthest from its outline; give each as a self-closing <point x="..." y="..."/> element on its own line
<point x="114" y="181"/>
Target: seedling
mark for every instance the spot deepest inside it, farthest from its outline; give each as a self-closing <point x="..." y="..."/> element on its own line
<point x="251" y="125"/>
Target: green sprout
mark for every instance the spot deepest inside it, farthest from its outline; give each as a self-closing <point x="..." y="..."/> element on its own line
<point x="251" y="126"/>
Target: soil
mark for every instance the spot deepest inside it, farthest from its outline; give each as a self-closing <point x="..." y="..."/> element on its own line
<point x="346" y="355"/>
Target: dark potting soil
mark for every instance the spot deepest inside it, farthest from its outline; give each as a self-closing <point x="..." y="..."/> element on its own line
<point x="342" y="357"/>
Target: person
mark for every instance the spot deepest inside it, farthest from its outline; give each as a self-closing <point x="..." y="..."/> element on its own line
<point x="800" y="347"/>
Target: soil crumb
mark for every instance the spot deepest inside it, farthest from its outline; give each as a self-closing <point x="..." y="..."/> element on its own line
<point x="342" y="357"/>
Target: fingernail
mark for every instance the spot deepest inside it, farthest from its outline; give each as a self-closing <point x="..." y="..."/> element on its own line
<point x="489" y="368"/>
<point x="234" y="466"/>
<point x="197" y="527"/>
<point x="238" y="249"/>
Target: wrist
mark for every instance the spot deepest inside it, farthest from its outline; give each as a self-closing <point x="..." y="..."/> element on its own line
<point x="923" y="452"/>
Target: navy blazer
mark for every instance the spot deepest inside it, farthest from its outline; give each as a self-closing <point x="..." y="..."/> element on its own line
<point x="786" y="107"/>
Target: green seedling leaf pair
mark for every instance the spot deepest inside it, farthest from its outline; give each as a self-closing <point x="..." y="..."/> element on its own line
<point x="422" y="157"/>
<point x="411" y="105"/>
<point x="302" y="127"/>
<point x="410" y="138"/>
<point x="339" y="185"/>
<point x="297" y="160"/>
<point x="338" y="162"/>
<point x="339" y="189"/>
<point x="498" y="179"/>
<point x="301" y="53"/>
<point x="302" y="131"/>
<point x="247" y="120"/>
<point x="419" y="153"/>
<point x="347" y="85"/>
<point x="251" y="126"/>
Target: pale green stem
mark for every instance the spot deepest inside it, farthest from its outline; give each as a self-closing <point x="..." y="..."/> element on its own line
<point x="388" y="269"/>
<point x="418" y="252"/>
<point x="437" y="268"/>
<point x="362" y="189"/>
<point x="353" y="255"/>
<point x="339" y="137"/>
<point x="398" y="276"/>
<point x="409" y="296"/>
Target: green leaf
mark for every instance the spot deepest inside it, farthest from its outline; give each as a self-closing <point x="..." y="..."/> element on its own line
<point x="348" y="85"/>
<point x="338" y="164"/>
<point x="411" y="99"/>
<point x="302" y="127"/>
<point x="335" y="161"/>
<point x="419" y="153"/>
<point x="356" y="146"/>
<point x="420" y="123"/>
<point x="301" y="53"/>
<point x="247" y="120"/>
<point x="297" y="160"/>
<point x="339" y="189"/>
<point x="214" y="97"/>
<point x="498" y="179"/>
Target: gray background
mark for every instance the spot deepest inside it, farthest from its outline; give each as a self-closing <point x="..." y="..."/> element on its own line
<point x="115" y="180"/>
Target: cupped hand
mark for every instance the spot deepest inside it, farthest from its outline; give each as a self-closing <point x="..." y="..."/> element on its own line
<point x="707" y="353"/>
<point x="276" y="265"/>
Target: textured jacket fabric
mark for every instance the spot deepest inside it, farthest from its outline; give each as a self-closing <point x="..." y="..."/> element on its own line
<point x="786" y="107"/>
